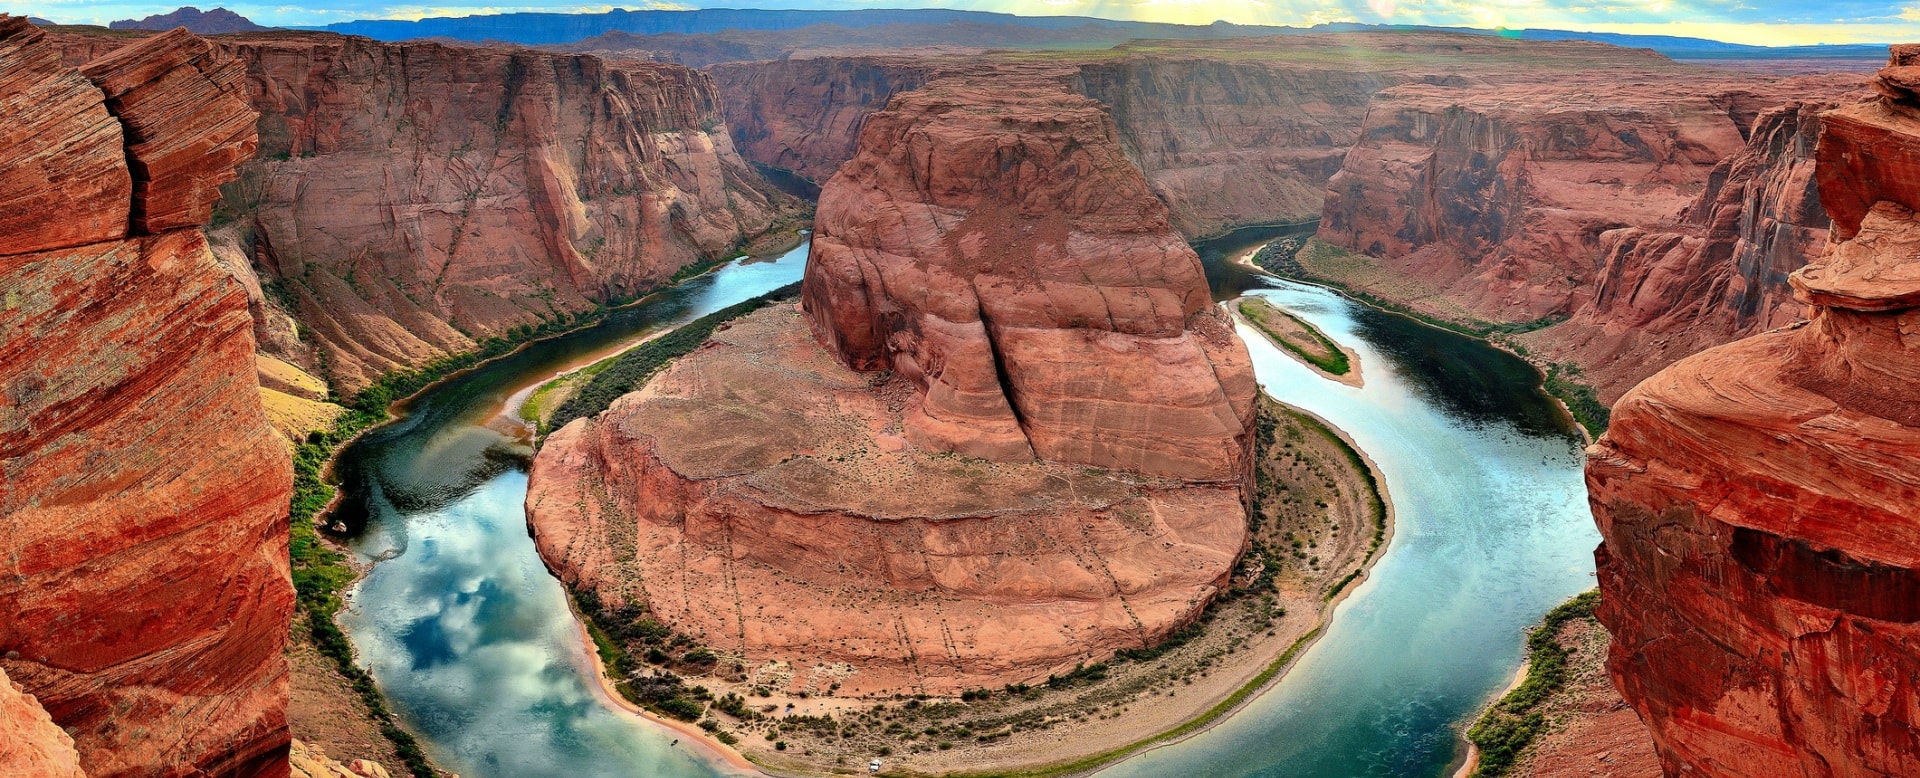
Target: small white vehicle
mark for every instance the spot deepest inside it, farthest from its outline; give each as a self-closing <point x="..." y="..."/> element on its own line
<point x="873" y="766"/>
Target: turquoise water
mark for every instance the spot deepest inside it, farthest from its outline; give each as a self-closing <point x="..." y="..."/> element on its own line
<point x="470" y="636"/>
<point x="459" y="622"/>
<point x="1491" y="531"/>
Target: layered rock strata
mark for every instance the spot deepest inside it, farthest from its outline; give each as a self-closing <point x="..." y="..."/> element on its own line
<point x="889" y="490"/>
<point x="142" y="494"/>
<point x="414" y="198"/>
<point x="1715" y="275"/>
<point x="994" y="246"/>
<point x="1760" y="563"/>
<point x="411" y="199"/>
<point x="1228" y="132"/>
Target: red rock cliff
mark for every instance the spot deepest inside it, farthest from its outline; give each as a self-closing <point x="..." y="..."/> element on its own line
<point x="993" y="248"/>
<point x="143" y="543"/>
<point x="1761" y="563"/>
<point x="1715" y="275"/>
<point x="985" y="243"/>
<point x="414" y="198"/>
<point x="30" y="745"/>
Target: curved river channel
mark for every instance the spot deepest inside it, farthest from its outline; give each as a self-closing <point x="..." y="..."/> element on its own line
<point x="472" y="640"/>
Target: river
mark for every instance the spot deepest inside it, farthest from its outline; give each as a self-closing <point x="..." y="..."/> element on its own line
<point x="459" y="622"/>
<point x="471" y="638"/>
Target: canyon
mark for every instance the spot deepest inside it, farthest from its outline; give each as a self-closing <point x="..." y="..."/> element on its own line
<point x="1757" y="499"/>
<point x="142" y="494"/>
<point x="1615" y="208"/>
<point x="411" y="201"/>
<point x="1013" y="466"/>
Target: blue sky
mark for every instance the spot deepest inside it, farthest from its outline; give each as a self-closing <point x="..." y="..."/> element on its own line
<point x="1768" y="22"/>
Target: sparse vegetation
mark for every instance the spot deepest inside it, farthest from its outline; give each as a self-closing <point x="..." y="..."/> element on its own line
<point x="629" y="371"/>
<point x="1506" y="729"/>
<point x="1297" y="336"/>
<point x="1582" y="400"/>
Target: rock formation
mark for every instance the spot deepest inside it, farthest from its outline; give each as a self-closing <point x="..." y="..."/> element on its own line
<point x="1009" y="290"/>
<point x="395" y="228"/>
<point x="1228" y="132"/>
<point x="412" y="199"/>
<point x="983" y="254"/>
<point x="1761" y="563"/>
<point x="31" y="746"/>
<point x="142" y="494"/>
<point x="1716" y="275"/>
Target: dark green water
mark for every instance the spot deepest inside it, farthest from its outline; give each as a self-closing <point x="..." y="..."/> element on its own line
<point x="471" y="638"/>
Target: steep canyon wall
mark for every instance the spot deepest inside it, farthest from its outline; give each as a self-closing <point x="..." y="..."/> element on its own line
<point x="142" y="494"/>
<point x="1758" y="500"/>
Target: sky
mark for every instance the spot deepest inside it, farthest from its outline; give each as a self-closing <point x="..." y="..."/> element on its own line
<point x="1762" y="22"/>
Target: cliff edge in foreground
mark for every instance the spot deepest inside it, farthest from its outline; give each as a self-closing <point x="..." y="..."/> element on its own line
<point x="889" y="491"/>
<point x="1760" y="504"/>
<point x="143" y="542"/>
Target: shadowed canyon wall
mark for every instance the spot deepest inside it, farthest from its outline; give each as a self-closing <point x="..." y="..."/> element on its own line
<point x="142" y="494"/>
<point x="990" y="277"/>
<point x="1757" y="500"/>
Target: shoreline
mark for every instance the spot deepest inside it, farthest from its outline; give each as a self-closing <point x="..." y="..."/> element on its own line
<point x="715" y="750"/>
<point x="1354" y="377"/>
<point x="1472" y="759"/>
<point x="1285" y="663"/>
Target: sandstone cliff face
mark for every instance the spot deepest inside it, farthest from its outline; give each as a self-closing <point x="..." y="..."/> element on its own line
<point x="805" y="115"/>
<point x="142" y="495"/>
<point x="985" y="242"/>
<point x="1758" y="502"/>
<point x="31" y="746"/>
<point x="1228" y="132"/>
<point x="1500" y="197"/>
<point x="990" y="277"/>
<point x="1718" y="274"/>
<point x="413" y="198"/>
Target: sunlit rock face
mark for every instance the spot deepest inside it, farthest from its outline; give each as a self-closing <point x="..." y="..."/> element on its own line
<point x="1761" y="508"/>
<point x="887" y="489"/>
<point x="994" y="245"/>
<point x="143" y="542"/>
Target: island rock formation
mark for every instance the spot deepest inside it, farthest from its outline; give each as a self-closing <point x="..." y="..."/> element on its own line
<point x="1761" y="563"/>
<point x="1006" y="433"/>
<point x="142" y="494"/>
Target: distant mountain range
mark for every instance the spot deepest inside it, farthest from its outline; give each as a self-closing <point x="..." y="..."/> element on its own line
<point x="559" y="28"/>
<point x="214" y="22"/>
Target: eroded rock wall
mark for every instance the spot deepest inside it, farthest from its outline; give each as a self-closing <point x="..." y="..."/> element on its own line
<point x="142" y="494"/>
<point x="414" y="198"/>
<point x="993" y="244"/>
<point x="1761" y="562"/>
<point x="991" y="277"/>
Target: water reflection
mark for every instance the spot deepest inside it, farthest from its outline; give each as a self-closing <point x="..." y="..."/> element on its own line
<point x="461" y="624"/>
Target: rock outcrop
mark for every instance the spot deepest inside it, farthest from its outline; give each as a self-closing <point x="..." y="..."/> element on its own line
<point x="990" y="278"/>
<point x="142" y="495"/>
<point x="31" y="746"/>
<point x="410" y="200"/>
<point x="1761" y="563"/>
<point x="985" y="241"/>
<point x="804" y="115"/>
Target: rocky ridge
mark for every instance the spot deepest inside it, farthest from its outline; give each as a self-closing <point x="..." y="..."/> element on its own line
<point x="913" y="489"/>
<point x="1757" y="499"/>
<point x="142" y="493"/>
